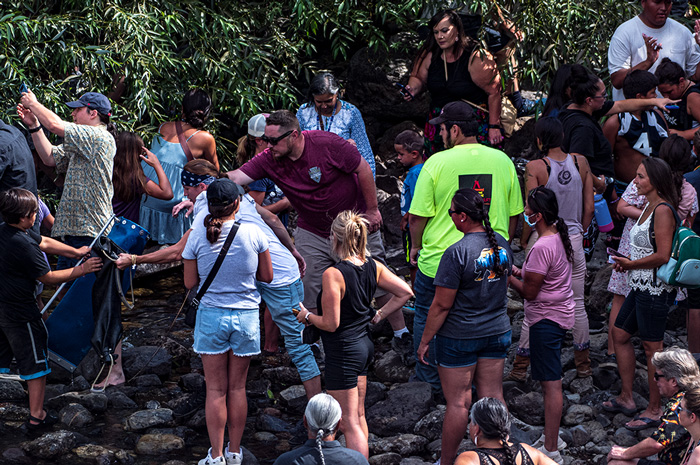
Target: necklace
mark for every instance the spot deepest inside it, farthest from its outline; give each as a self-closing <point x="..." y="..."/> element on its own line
<point x="330" y="119"/>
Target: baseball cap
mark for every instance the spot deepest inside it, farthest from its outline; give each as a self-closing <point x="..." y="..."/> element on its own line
<point x="256" y="124"/>
<point x="223" y="192"/>
<point x="454" y="111"/>
<point x="94" y="101"/>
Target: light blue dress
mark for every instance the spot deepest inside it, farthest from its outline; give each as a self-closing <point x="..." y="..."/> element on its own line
<point x="347" y="123"/>
<point x="156" y="215"/>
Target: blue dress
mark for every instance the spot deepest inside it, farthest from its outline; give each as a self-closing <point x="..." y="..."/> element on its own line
<point x="156" y="215"/>
<point x="347" y="123"/>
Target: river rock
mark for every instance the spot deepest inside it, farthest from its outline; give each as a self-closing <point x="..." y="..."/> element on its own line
<point x="11" y="390"/>
<point x="96" y="453"/>
<point x="191" y="382"/>
<point x="117" y="399"/>
<point x="53" y="444"/>
<point x="430" y="426"/>
<point x="149" y="380"/>
<point x="95" y="402"/>
<point x="390" y="458"/>
<point x="404" y="406"/>
<point x="294" y="398"/>
<point x="390" y="369"/>
<point x="149" y="418"/>
<point x="75" y="416"/>
<point x="146" y="360"/>
<point x="528" y="407"/>
<point x="404" y="444"/>
<point x="12" y="412"/>
<point x="14" y="455"/>
<point x="272" y="424"/>
<point x="157" y="444"/>
<point x="265" y="438"/>
<point x="577" y="414"/>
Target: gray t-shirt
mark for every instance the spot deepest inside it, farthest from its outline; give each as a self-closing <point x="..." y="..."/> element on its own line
<point x="234" y="284"/>
<point x="479" y="309"/>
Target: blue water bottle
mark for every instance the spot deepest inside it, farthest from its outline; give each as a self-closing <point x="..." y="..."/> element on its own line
<point x="602" y="214"/>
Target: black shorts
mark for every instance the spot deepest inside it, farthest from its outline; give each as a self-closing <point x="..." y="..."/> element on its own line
<point x="645" y="313"/>
<point x="346" y="361"/>
<point x="28" y="344"/>
<point x="693" y="298"/>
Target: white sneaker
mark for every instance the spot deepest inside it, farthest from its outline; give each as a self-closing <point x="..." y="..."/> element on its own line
<point x="561" y="445"/>
<point x="210" y="461"/>
<point x="233" y="458"/>
<point x="555" y="455"/>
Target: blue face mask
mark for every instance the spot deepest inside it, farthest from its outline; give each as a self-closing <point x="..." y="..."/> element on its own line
<point x="527" y="220"/>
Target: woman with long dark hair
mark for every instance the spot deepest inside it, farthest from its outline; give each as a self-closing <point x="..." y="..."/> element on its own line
<point x="227" y="332"/>
<point x="165" y="220"/>
<point x="646" y="306"/>
<point x="129" y="180"/>
<point x="468" y="317"/>
<point x="549" y="304"/>
<point x="450" y="67"/>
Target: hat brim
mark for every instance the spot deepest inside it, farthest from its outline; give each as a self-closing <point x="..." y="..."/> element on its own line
<point x="437" y="121"/>
<point x="75" y="104"/>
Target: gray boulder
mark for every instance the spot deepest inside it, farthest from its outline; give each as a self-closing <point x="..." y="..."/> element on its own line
<point x="149" y="418"/>
<point x="404" y="444"/>
<point x="403" y="407"/>
<point x="147" y="360"/>
<point x="390" y="458"/>
<point x="53" y="444"/>
<point x="528" y="407"/>
<point x="157" y="444"/>
<point x="430" y="426"/>
<point x="11" y="390"/>
<point x="75" y="416"/>
<point x="390" y="369"/>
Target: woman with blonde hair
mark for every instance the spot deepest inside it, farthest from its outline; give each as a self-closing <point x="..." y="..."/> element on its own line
<point x="344" y="314"/>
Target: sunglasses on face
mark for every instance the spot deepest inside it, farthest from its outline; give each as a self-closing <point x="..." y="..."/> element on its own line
<point x="658" y="376"/>
<point x="275" y="140"/>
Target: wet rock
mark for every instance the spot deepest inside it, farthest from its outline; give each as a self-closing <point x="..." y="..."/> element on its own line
<point x="284" y="376"/>
<point x="12" y="412"/>
<point x="149" y="380"/>
<point x="149" y="419"/>
<point x="264" y="437"/>
<point x="272" y="424"/>
<point x="405" y="444"/>
<point x="389" y="368"/>
<point x="191" y="382"/>
<point x="94" y="452"/>
<point x="528" y="407"/>
<point x="157" y="444"/>
<point x="375" y="392"/>
<point x="11" y="390"/>
<point x="80" y="383"/>
<point x="95" y="402"/>
<point x="624" y="437"/>
<point x="430" y="426"/>
<point x="15" y="455"/>
<point x="75" y="416"/>
<point x="385" y="459"/>
<point x="579" y="436"/>
<point x="577" y="414"/>
<point x="294" y="398"/>
<point x="404" y="406"/>
<point x="117" y="399"/>
<point x="53" y="444"/>
<point x="146" y="360"/>
<point x="124" y="457"/>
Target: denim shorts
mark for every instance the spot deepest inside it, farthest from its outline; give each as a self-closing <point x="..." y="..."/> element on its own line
<point x="645" y="313"/>
<point x="546" y="337"/>
<point x="459" y="353"/>
<point x="219" y="330"/>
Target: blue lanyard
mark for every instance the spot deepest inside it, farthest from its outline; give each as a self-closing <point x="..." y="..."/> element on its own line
<point x="320" y="122"/>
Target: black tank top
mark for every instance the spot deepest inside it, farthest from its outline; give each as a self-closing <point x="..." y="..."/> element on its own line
<point x="679" y="118"/>
<point x="356" y="306"/>
<point x="485" y="455"/>
<point x="459" y="84"/>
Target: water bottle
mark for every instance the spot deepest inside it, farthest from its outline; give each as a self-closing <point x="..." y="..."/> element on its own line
<point x="602" y="214"/>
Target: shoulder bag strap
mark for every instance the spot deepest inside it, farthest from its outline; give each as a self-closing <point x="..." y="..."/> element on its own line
<point x="217" y="264"/>
<point x="183" y="141"/>
<point x="652" y="234"/>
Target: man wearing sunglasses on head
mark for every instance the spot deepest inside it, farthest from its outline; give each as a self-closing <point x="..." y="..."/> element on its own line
<point x="322" y="175"/>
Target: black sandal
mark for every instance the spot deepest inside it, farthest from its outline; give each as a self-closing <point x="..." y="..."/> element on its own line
<point x="49" y="419"/>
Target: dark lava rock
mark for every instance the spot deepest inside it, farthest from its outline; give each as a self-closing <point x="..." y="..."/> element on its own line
<point x="404" y="406"/>
<point x="528" y="407"/>
<point x="93" y="401"/>
<point x="75" y="416"/>
<point x="375" y="392"/>
<point x="390" y="458"/>
<point x="282" y="376"/>
<point x="11" y="390"/>
<point x="149" y="419"/>
<point x="430" y="426"/>
<point x="12" y="412"/>
<point x="149" y="380"/>
<point x="191" y="382"/>
<point x="53" y="444"/>
<point x="271" y="424"/>
<point x="294" y="398"/>
<point x="404" y="444"/>
<point x="158" y="444"/>
<point x="389" y="368"/>
<point x="147" y="360"/>
<point x="119" y="400"/>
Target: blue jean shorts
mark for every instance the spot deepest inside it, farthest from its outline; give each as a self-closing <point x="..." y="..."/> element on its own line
<point x="460" y="353"/>
<point x="219" y="330"/>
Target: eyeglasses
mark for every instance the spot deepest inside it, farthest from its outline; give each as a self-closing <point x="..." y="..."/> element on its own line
<point x="658" y="376"/>
<point x="276" y="140"/>
<point x="600" y="96"/>
<point x="452" y="212"/>
<point x="680" y="409"/>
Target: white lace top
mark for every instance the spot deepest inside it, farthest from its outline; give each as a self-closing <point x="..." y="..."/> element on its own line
<point x="640" y="247"/>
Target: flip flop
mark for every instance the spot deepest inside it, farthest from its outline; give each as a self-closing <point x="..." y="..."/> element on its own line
<point x="648" y="423"/>
<point x="616" y="407"/>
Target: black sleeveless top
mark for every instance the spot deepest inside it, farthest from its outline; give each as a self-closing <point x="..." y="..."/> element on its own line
<point x="356" y="306"/>
<point x="679" y="118"/>
<point x="459" y="84"/>
<point x="485" y="455"/>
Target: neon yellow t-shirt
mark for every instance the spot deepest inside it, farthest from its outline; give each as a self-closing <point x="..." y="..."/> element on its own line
<point x="487" y="170"/>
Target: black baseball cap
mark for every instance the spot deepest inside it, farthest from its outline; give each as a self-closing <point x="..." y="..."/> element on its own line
<point x="223" y="192"/>
<point x="93" y="101"/>
<point x="454" y="111"/>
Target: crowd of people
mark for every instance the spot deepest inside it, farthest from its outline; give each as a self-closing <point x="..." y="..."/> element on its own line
<point x="461" y="205"/>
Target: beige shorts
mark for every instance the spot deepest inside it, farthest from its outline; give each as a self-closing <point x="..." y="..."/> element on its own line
<point x="316" y="251"/>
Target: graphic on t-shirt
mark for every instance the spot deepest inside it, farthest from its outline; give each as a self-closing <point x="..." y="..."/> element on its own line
<point x="315" y="173"/>
<point x="564" y="177"/>
<point x="482" y="183"/>
<point x="484" y="264"/>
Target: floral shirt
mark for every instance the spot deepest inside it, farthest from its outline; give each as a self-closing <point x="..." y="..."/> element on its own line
<point x="671" y="434"/>
<point x="87" y="158"/>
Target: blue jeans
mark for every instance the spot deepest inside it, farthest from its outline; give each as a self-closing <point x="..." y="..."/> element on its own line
<point x="280" y="300"/>
<point x="424" y="289"/>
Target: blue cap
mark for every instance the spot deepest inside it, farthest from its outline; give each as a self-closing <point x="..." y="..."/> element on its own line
<point x="93" y="101"/>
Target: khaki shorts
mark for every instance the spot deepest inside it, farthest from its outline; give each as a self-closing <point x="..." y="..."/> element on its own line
<point x="316" y="251"/>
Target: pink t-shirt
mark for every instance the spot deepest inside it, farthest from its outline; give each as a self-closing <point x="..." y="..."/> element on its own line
<point x="555" y="301"/>
<point x="320" y="184"/>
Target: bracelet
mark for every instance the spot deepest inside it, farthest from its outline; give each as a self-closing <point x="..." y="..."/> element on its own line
<point x="133" y="260"/>
<point x="306" y="318"/>
<point x="36" y="129"/>
<point x="495" y="126"/>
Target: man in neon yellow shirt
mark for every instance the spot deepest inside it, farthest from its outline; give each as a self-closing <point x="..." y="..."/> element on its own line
<point x="465" y="164"/>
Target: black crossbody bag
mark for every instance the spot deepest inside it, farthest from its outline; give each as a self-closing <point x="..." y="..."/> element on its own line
<point x="191" y="312"/>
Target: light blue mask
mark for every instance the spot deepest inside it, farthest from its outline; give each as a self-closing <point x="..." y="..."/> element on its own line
<point x="527" y="220"/>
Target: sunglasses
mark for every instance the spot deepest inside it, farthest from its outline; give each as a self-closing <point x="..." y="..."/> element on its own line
<point x="452" y="212"/>
<point x="658" y="376"/>
<point x="276" y="140"/>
